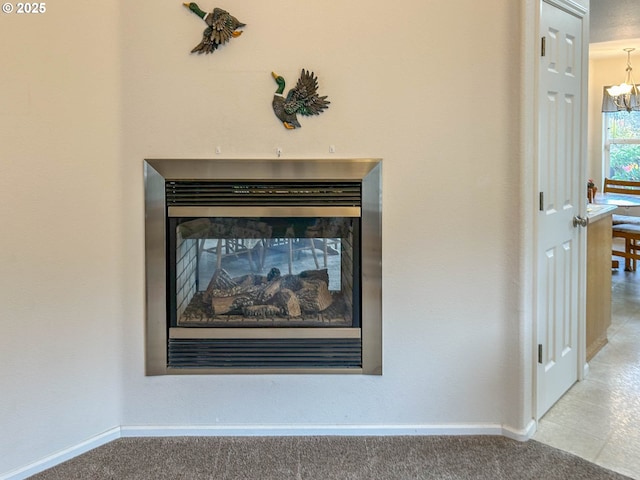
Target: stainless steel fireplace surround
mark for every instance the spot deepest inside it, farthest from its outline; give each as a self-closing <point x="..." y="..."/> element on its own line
<point x="263" y="266"/>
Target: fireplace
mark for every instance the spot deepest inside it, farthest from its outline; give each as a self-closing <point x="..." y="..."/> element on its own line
<point x="263" y="266"/>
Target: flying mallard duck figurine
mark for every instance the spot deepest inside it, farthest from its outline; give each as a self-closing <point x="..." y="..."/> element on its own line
<point x="221" y="27"/>
<point x="302" y="99"/>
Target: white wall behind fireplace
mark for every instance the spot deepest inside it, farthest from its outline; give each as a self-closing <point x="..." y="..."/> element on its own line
<point x="450" y="197"/>
<point x="89" y="91"/>
<point x="61" y="254"/>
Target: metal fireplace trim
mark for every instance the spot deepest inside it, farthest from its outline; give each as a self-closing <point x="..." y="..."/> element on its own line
<point x="195" y="333"/>
<point x="159" y="171"/>
<point x="264" y="211"/>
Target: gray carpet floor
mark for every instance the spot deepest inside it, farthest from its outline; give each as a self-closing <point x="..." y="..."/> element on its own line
<point x="326" y="458"/>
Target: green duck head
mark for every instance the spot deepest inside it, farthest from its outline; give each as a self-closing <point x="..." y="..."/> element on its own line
<point x="279" y="81"/>
<point x="195" y="9"/>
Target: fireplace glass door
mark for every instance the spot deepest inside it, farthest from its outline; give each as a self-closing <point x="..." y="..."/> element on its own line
<point x="273" y="271"/>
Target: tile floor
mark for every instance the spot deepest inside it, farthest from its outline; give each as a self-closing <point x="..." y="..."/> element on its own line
<point x="599" y="418"/>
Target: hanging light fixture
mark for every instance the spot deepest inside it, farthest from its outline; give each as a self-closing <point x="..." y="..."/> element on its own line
<point x="625" y="95"/>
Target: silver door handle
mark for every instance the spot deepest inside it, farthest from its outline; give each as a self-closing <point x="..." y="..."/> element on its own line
<point x="580" y="221"/>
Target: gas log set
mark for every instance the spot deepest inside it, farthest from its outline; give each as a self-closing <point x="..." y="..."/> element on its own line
<point x="301" y="299"/>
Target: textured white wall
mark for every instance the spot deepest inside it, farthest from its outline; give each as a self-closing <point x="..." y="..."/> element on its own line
<point x="450" y="193"/>
<point x="89" y="92"/>
<point x="617" y="23"/>
<point x="61" y="243"/>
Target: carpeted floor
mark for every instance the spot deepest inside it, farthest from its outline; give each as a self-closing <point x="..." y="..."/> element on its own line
<point x="326" y="458"/>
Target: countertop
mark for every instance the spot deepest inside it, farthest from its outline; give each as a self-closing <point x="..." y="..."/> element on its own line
<point x="596" y="212"/>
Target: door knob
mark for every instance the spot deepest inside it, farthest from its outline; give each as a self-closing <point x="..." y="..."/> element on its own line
<point x="580" y="221"/>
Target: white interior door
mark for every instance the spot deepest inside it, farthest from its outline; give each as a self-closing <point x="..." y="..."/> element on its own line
<point x="562" y="194"/>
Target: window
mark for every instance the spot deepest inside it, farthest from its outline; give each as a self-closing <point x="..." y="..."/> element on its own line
<point x="622" y="145"/>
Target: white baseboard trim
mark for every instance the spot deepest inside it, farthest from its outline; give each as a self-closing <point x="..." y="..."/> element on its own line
<point x="263" y="431"/>
<point x="62" y="456"/>
<point x="314" y="430"/>
<point x="521" y="435"/>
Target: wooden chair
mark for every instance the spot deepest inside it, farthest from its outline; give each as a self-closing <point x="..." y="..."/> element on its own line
<point x="625" y="226"/>
<point x="626" y="187"/>
<point x="631" y="235"/>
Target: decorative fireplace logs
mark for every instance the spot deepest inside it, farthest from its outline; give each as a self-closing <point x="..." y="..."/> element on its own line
<point x="253" y="296"/>
<point x="286" y="296"/>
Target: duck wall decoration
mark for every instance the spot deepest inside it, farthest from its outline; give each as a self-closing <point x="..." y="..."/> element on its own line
<point x="302" y="99"/>
<point x="221" y="27"/>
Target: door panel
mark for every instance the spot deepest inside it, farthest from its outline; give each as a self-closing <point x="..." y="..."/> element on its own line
<point x="559" y="167"/>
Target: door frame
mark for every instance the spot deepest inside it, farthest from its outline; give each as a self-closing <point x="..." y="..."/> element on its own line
<point x="529" y="102"/>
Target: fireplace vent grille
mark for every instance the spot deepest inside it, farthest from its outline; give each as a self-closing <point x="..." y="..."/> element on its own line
<point x="265" y="353"/>
<point x="198" y="193"/>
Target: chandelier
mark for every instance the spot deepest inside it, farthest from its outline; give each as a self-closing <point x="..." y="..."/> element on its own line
<point x="625" y="95"/>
